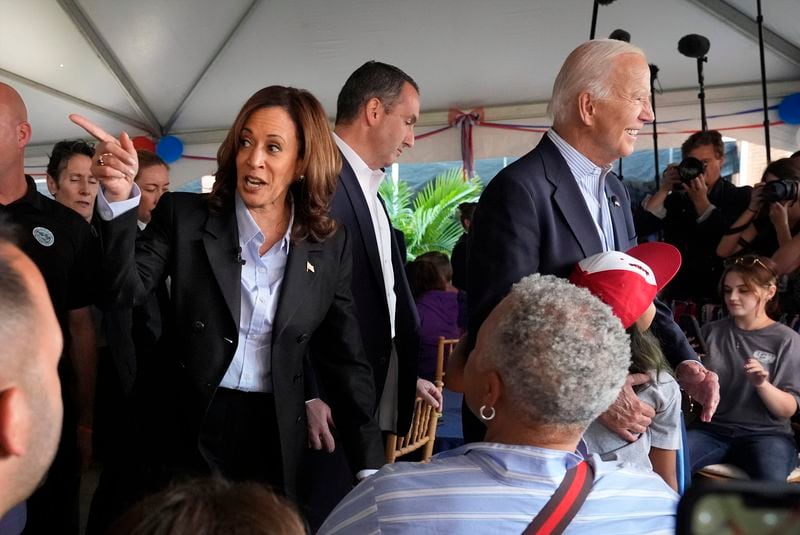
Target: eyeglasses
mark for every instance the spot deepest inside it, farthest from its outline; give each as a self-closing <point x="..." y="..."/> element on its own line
<point x="747" y="261"/>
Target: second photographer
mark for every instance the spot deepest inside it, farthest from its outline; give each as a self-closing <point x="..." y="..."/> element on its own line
<point x="773" y="214"/>
<point x="694" y="206"/>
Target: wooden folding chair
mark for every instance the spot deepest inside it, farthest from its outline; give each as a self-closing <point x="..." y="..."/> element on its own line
<point x="423" y="426"/>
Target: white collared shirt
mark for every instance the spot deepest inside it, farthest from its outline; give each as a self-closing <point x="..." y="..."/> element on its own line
<point x="250" y="369"/>
<point x="369" y="180"/>
<point x="591" y="180"/>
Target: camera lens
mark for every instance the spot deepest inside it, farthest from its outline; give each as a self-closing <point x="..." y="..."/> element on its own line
<point x="780" y="190"/>
<point x="689" y="169"/>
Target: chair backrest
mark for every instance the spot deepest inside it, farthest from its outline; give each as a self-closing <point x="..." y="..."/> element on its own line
<point x="423" y="426"/>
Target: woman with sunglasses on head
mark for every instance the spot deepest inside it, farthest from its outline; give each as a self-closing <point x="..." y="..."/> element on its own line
<point x="758" y="362"/>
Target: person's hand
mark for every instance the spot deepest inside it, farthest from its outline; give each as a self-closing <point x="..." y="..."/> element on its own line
<point x="670" y="179"/>
<point x="756" y="373"/>
<point x="779" y="215"/>
<point x="84" y="447"/>
<point x="756" y="198"/>
<point x="697" y="190"/>
<point x="629" y="416"/>
<point x="702" y="385"/>
<point x="115" y="162"/>
<point x="429" y="393"/>
<point x="320" y="422"/>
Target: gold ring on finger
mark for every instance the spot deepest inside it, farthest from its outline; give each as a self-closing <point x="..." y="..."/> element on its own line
<point x="100" y="161"/>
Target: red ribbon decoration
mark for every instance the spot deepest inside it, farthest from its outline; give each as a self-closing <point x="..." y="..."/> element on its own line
<point x="457" y="118"/>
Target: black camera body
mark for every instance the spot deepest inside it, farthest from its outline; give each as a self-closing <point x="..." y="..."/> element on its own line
<point x="781" y="190"/>
<point x="689" y="169"/>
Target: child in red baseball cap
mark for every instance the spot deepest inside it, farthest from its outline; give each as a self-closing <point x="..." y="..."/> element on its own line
<point x="628" y="283"/>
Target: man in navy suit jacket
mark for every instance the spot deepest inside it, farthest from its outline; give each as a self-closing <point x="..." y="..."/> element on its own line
<point x="377" y="109"/>
<point x="560" y="203"/>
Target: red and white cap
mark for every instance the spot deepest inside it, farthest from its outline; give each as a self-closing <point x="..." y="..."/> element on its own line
<point x="628" y="282"/>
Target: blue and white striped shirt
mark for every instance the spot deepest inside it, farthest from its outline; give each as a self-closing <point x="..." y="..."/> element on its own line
<point x="591" y="180"/>
<point x="499" y="488"/>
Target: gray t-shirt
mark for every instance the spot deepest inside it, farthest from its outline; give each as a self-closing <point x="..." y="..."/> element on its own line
<point x="777" y="348"/>
<point x="664" y="432"/>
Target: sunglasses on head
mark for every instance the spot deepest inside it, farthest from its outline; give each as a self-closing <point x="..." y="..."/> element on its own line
<point x="747" y="261"/>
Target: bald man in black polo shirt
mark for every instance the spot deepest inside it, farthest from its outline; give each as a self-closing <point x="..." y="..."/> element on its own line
<point x="60" y="243"/>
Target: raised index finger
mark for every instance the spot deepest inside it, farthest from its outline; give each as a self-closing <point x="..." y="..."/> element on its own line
<point x="95" y="131"/>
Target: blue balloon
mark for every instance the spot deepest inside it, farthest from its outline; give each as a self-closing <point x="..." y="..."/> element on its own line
<point x="169" y="148"/>
<point x="789" y="109"/>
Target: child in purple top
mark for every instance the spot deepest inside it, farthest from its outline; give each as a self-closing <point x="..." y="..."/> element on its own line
<point x="437" y="307"/>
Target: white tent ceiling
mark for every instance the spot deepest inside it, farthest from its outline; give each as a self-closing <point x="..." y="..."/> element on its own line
<point x="184" y="67"/>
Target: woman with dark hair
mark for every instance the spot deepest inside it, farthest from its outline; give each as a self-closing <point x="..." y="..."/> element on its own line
<point x="757" y="360"/>
<point x="437" y="308"/>
<point x="767" y="224"/>
<point x="787" y="257"/>
<point x="69" y="179"/>
<point x="260" y="282"/>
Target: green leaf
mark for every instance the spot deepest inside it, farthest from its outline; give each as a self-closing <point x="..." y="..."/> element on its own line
<point x="430" y="221"/>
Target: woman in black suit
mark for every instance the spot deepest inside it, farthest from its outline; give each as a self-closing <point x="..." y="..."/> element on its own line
<point x="259" y="281"/>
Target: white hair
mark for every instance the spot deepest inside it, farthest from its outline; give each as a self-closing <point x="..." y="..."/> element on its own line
<point x="561" y="352"/>
<point x="587" y="68"/>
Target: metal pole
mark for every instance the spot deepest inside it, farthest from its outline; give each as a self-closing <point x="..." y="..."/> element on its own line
<point x="702" y="94"/>
<point x="760" y="21"/>
<point x="594" y="21"/>
<point x="653" y="75"/>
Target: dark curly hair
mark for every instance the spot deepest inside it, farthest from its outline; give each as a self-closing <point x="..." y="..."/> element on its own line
<point x="61" y="154"/>
<point x="319" y="157"/>
<point x="703" y="138"/>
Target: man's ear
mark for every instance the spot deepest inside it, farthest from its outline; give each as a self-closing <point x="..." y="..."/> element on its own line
<point x="23" y="134"/>
<point x="586" y="109"/>
<point x="11" y="423"/>
<point x="372" y="110"/>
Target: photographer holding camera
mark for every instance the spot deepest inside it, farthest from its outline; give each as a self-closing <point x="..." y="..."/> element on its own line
<point x="772" y="217"/>
<point x="694" y="207"/>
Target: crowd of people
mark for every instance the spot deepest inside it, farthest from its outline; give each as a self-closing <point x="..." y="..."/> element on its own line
<point x="236" y="359"/>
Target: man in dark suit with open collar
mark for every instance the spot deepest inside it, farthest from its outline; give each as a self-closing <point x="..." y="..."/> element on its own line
<point x="560" y="203"/>
<point x="376" y="112"/>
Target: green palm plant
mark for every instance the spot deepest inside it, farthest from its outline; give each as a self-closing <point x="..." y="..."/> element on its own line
<point x="429" y="221"/>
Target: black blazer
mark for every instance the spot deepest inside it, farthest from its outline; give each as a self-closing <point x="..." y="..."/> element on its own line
<point x="532" y="218"/>
<point x="135" y="332"/>
<point x="197" y="249"/>
<point x="349" y="208"/>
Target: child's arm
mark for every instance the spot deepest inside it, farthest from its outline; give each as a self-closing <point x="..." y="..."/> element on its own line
<point x="664" y="464"/>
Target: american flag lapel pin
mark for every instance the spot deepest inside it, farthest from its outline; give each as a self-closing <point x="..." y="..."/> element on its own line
<point x="309" y="267"/>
